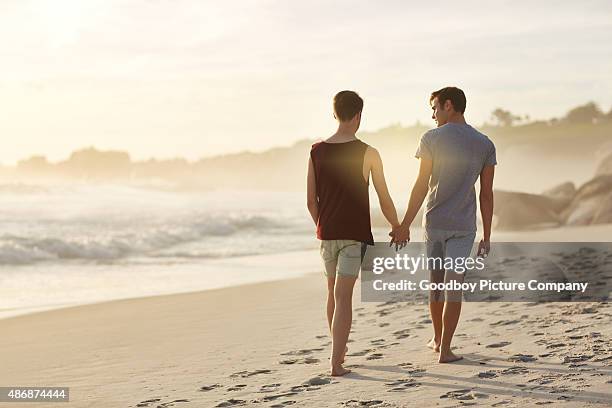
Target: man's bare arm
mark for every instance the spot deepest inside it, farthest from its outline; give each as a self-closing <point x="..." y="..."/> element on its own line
<point x="419" y="192"/>
<point x="312" y="201"/>
<point x="486" y="200"/>
<point x="380" y="185"/>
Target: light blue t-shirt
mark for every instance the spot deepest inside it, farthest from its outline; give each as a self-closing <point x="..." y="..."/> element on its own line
<point x="459" y="153"/>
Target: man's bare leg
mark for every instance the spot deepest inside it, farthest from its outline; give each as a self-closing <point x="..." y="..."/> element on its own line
<point x="341" y="322"/>
<point x="331" y="304"/>
<point x="436" y="306"/>
<point x="435" y="309"/>
<point x="450" y="318"/>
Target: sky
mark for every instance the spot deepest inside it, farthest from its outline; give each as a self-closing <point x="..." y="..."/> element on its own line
<point x="199" y="78"/>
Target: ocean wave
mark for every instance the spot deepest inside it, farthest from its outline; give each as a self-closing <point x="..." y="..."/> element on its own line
<point x="104" y="245"/>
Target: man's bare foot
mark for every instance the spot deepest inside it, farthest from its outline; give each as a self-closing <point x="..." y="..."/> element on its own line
<point x="434" y="345"/>
<point x="343" y="355"/>
<point x="339" y="371"/>
<point x="448" y="357"/>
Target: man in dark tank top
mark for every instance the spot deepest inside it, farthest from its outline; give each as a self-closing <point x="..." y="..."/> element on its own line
<point x="339" y="170"/>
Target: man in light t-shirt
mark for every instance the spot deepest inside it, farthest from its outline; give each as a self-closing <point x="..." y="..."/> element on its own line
<point x="453" y="157"/>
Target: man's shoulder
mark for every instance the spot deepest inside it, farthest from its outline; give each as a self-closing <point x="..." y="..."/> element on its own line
<point x="370" y="154"/>
<point x="430" y="134"/>
<point x="486" y="140"/>
<point x="316" y="145"/>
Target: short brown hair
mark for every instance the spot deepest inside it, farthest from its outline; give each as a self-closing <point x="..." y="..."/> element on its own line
<point x="453" y="94"/>
<point x="347" y="104"/>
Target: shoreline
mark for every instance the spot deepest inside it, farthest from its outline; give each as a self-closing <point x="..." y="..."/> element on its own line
<point x="70" y="287"/>
<point x="239" y="286"/>
<point x="73" y="288"/>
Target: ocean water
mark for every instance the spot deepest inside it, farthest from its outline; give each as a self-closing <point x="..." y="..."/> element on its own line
<point x="127" y="225"/>
<point x="70" y="245"/>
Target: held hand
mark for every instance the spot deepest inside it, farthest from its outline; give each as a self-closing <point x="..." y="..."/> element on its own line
<point x="400" y="236"/>
<point x="483" y="248"/>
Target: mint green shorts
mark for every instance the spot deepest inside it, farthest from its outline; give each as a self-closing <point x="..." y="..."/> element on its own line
<point x="342" y="256"/>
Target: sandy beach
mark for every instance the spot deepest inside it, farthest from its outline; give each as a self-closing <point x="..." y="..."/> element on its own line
<point x="266" y="344"/>
<point x="177" y="179"/>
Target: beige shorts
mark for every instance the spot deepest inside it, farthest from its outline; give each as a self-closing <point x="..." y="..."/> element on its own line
<point x="448" y="244"/>
<point x="342" y="256"/>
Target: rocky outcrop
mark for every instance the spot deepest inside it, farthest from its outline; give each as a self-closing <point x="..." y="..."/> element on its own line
<point x="605" y="166"/>
<point x="515" y="211"/>
<point x="561" y="196"/>
<point x="561" y="205"/>
<point x="591" y="203"/>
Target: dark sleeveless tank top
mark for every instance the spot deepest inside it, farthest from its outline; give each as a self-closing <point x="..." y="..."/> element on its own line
<point x="344" y="203"/>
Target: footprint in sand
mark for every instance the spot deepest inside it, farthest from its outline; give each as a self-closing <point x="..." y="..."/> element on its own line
<point x="283" y="404"/>
<point x="236" y="387"/>
<point x="487" y="374"/>
<point x="388" y="345"/>
<point x="545" y="379"/>
<point x="269" y="398"/>
<point x="375" y="356"/>
<point x="245" y="374"/>
<point x="415" y="372"/>
<point x="305" y="360"/>
<point x="205" y="388"/>
<point x="577" y="358"/>
<point x="402" y="384"/>
<point x="269" y="387"/>
<point x="148" y="402"/>
<point x="311" y="384"/>
<point x="500" y="403"/>
<point x="522" y="358"/>
<point x="384" y="312"/>
<point x="231" y="403"/>
<point x="319" y="380"/>
<point x="360" y="353"/>
<point x="402" y="334"/>
<point x="555" y="345"/>
<point x="463" y="395"/>
<point x="369" y="403"/>
<point x="514" y="370"/>
<point x="499" y="345"/>
<point x="504" y="323"/>
<point x="171" y="403"/>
